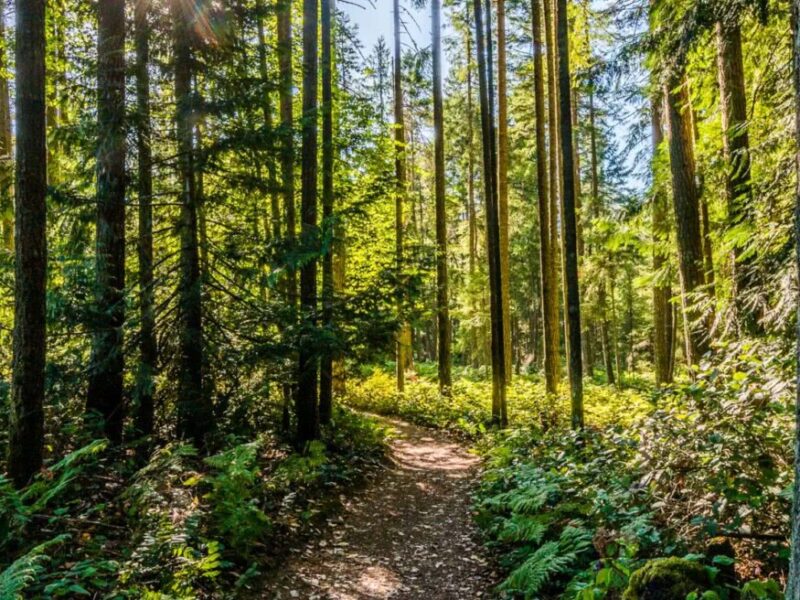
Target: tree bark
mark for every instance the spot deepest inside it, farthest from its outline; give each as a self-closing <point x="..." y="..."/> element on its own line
<point x="26" y="425"/>
<point x="107" y="361"/>
<point x="687" y="215"/>
<point x="471" y="210"/>
<point x="194" y="406"/>
<point x="272" y="225"/>
<point x="442" y="295"/>
<point x="326" y="365"/>
<point x="307" y="407"/>
<point x="573" y="300"/>
<point x="662" y="292"/>
<point x="403" y="340"/>
<point x="147" y="336"/>
<point x="502" y="181"/>
<point x="736" y="147"/>
<point x="6" y="149"/>
<point x="285" y="91"/>
<point x="492" y="218"/>
<point x="554" y="319"/>
<point x="549" y="287"/>
<point x="793" y="581"/>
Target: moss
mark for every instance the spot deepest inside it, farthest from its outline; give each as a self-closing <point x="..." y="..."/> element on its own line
<point x="667" y="579"/>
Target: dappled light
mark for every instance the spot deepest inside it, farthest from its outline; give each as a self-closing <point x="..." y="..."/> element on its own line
<point x="399" y="299"/>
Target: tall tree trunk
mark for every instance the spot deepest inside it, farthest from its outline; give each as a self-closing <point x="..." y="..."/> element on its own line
<point x="6" y="148"/>
<point x="596" y="210"/>
<point x="573" y="300"/>
<point x="492" y="218"/>
<point x="194" y="406"/>
<point x="705" y="222"/>
<point x="147" y="336"/>
<point x="471" y="211"/>
<point x="307" y="408"/>
<point x="326" y="365"/>
<point x="285" y="90"/>
<point x="586" y="348"/>
<point x="549" y="287"/>
<point x="107" y="361"/>
<point x="687" y="215"/>
<point x="793" y="581"/>
<point x="272" y="225"/>
<point x="403" y="341"/>
<point x="442" y="295"/>
<point x="502" y="180"/>
<point x="736" y="146"/>
<point x="554" y="183"/>
<point x="339" y="283"/>
<point x="26" y="425"/>
<point x="662" y="292"/>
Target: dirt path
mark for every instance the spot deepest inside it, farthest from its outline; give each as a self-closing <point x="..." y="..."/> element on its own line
<point x="408" y="535"/>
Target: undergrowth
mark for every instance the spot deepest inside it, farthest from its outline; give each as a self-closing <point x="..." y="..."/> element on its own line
<point x="183" y="526"/>
<point x="702" y="478"/>
<point x="467" y="409"/>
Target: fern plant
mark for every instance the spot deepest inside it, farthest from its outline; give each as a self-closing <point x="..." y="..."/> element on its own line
<point x="548" y="560"/>
<point x="20" y="574"/>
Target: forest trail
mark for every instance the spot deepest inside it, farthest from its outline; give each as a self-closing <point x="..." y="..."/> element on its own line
<point x="408" y="535"/>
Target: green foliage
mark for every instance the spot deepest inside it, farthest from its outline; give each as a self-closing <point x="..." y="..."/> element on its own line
<point x="467" y="409"/>
<point x="711" y="457"/>
<point x="16" y="578"/>
<point x="234" y="497"/>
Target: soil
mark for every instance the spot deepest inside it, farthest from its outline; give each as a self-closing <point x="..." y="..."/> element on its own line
<point x="408" y="535"/>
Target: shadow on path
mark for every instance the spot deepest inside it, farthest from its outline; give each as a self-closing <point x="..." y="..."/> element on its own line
<point x="408" y="535"/>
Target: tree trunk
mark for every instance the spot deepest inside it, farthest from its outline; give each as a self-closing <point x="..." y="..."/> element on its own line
<point x="403" y="341"/>
<point x="554" y="183"/>
<point x="471" y="211"/>
<point x="705" y="222"/>
<point x="736" y="146"/>
<point x="6" y="149"/>
<point x="272" y="225"/>
<point x="339" y="282"/>
<point x="687" y="216"/>
<point x="549" y="287"/>
<point x="442" y="295"/>
<point x="793" y="581"/>
<point x="285" y="90"/>
<point x="307" y="408"/>
<point x="147" y="336"/>
<point x="107" y="361"/>
<point x="662" y="292"/>
<point x="573" y="300"/>
<point x="586" y="347"/>
<point x="26" y="424"/>
<point x="492" y="219"/>
<point x="326" y="365"/>
<point x="194" y="406"/>
<point x="502" y="180"/>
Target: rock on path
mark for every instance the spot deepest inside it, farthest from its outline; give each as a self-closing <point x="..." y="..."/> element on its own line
<point x="408" y="535"/>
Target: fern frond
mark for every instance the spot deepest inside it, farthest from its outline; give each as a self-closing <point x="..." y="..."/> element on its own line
<point x="529" y="501"/>
<point x="574" y="539"/>
<point x="23" y="571"/>
<point x="523" y="528"/>
<point x="529" y="578"/>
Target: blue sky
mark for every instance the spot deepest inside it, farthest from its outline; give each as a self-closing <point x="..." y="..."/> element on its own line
<point x="375" y="21"/>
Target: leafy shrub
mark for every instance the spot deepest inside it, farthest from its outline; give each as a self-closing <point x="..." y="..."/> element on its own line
<point x="553" y="503"/>
<point x="234" y="497"/>
<point x="706" y="458"/>
<point x="467" y="410"/>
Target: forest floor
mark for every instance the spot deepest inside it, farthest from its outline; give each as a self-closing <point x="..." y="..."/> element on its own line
<point x="407" y="535"/>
